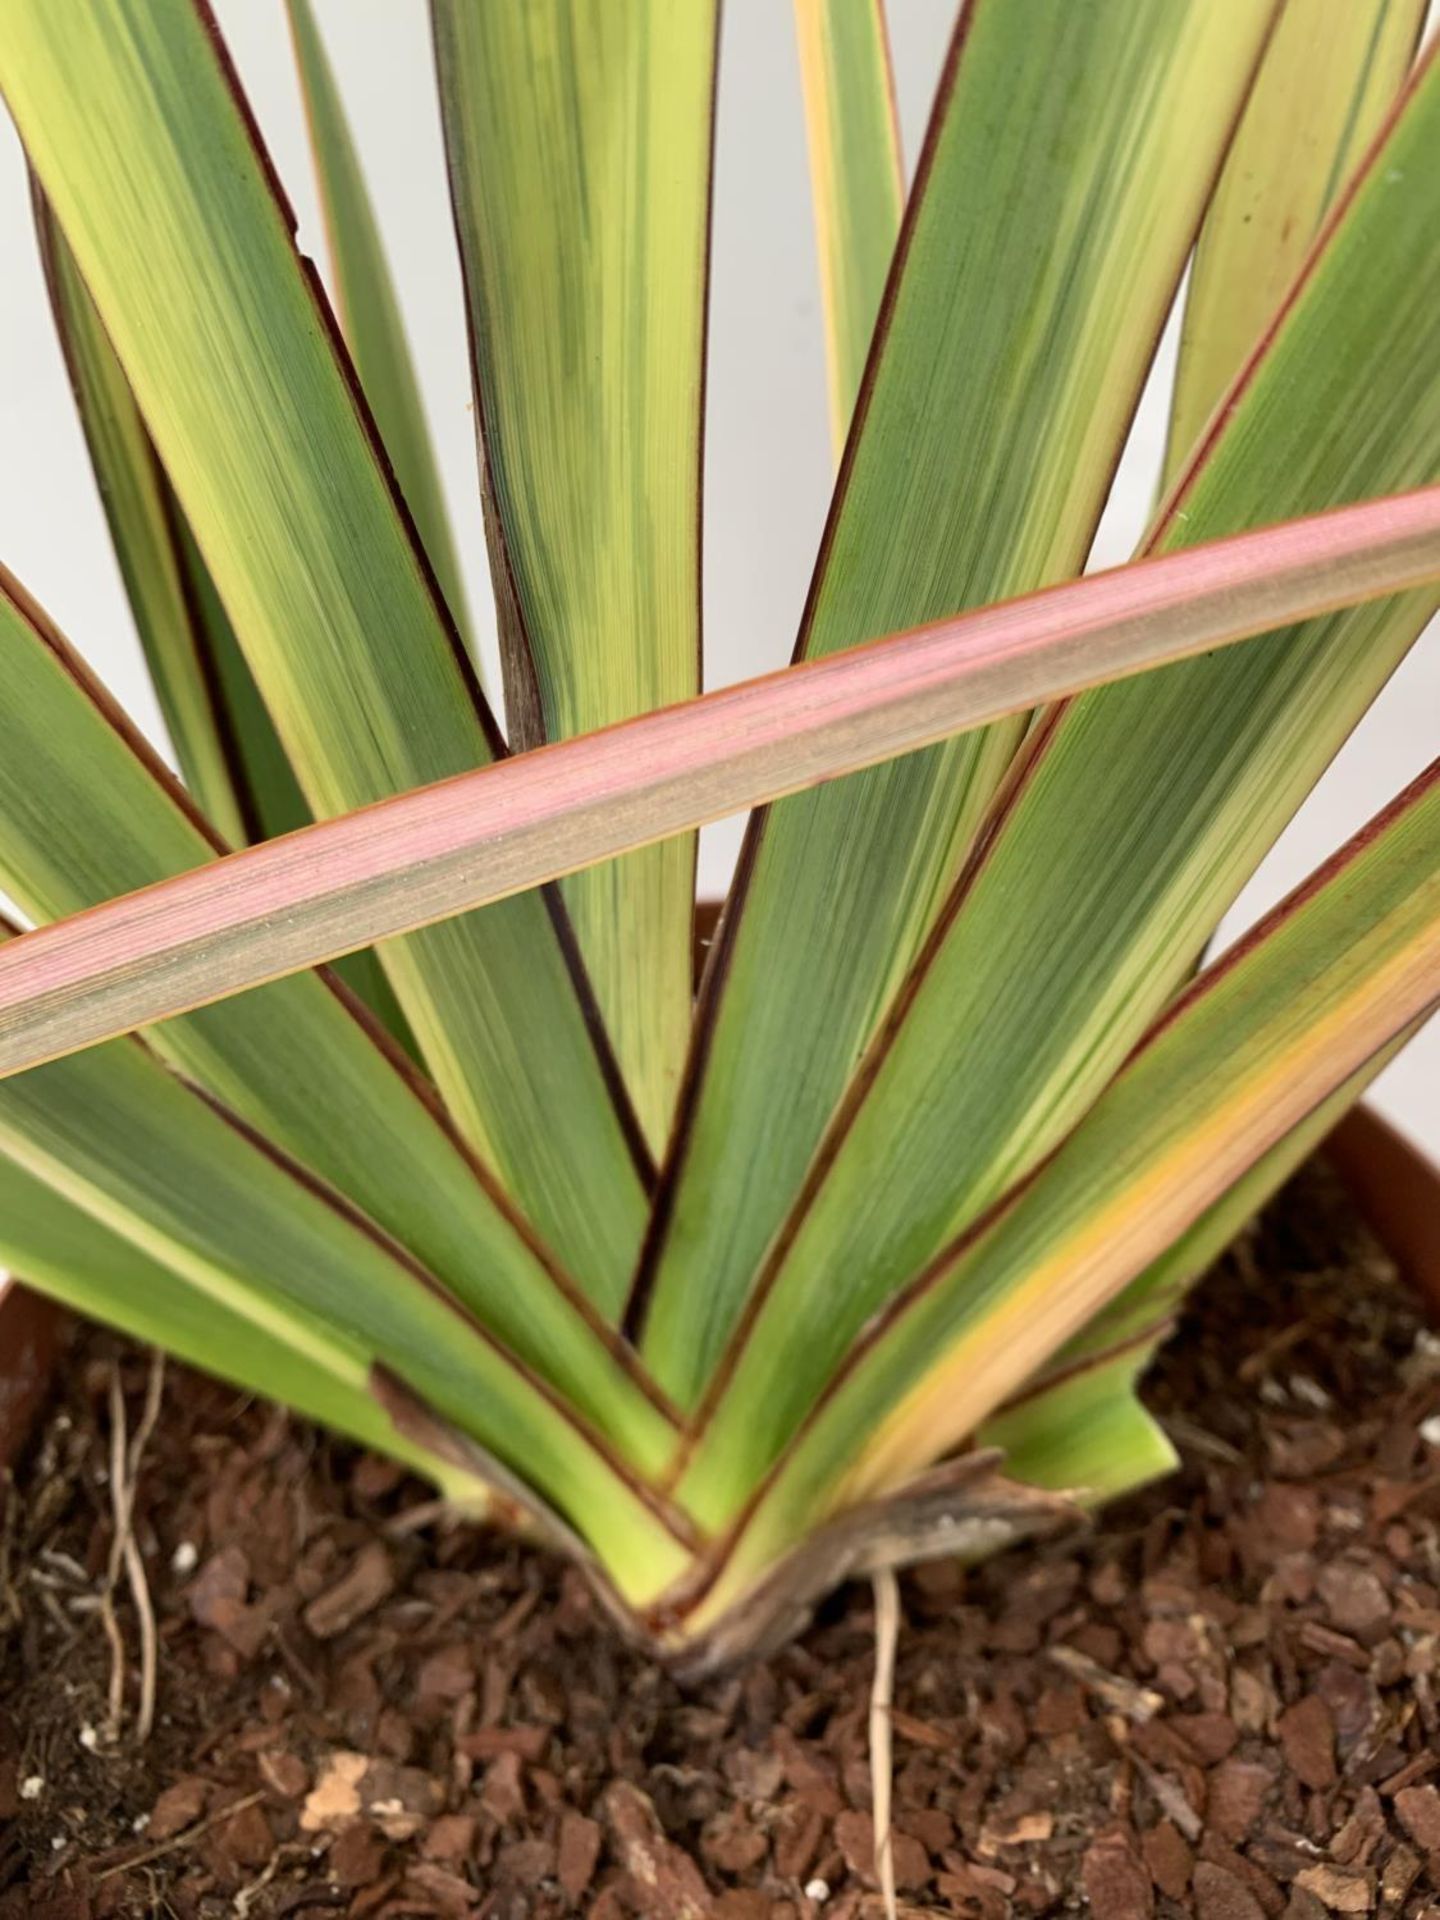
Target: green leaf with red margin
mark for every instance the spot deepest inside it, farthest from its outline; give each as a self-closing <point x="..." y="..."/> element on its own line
<point x="1329" y="77"/>
<point x="1135" y="816"/>
<point x="86" y="811"/>
<point x="135" y="128"/>
<point x="579" y="140"/>
<point x="368" y="308"/>
<point x="1332" y="977"/>
<point x="228" y="751"/>
<point x="856" y="177"/>
<point x="1063" y="179"/>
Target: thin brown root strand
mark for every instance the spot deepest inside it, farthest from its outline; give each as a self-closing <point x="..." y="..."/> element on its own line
<point x="882" y="1691"/>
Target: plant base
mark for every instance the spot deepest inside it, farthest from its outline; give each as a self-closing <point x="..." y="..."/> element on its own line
<point x="1221" y="1688"/>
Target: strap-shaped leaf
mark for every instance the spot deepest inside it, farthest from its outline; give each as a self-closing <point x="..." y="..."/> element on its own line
<point x="856" y="178"/>
<point x="1062" y="181"/>
<point x="579" y="138"/>
<point x="1332" y="977"/>
<point x="1137" y="813"/>
<point x="112" y="1132"/>
<point x="140" y="510"/>
<point x="86" y="812"/>
<point x="1328" y="79"/>
<point x="368" y="309"/>
<point x="77" y="1260"/>
<point x="1079" y="1427"/>
<point x="134" y="127"/>
<point x="260" y="913"/>
<point x="226" y="744"/>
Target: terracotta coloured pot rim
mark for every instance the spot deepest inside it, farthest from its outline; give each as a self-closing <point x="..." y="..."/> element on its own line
<point x="1397" y="1191"/>
<point x="29" y="1341"/>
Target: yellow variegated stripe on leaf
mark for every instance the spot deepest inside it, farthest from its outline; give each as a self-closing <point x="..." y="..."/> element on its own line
<point x="321" y="1374"/>
<point x="1335" y="975"/>
<point x="856" y="177"/>
<point x="368" y="308"/>
<point x="1141" y="811"/>
<point x="113" y="1133"/>
<point x="1063" y="180"/>
<point x="85" y="813"/>
<point x="134" y="130"/>
<point x="1329" y="76"/>
<point x="579" y="137"/>
<point x="1079" y="1426"/>
<point x="229" y="754"/>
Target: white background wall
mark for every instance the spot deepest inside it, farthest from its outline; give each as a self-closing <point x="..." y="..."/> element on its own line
<point x="768" y="461"/>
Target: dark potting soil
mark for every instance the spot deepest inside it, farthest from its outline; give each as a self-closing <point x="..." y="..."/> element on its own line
<point x="1220" y="1701"/>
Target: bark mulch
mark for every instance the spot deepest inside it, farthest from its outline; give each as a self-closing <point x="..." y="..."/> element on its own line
<point x="1221" y="1701"/>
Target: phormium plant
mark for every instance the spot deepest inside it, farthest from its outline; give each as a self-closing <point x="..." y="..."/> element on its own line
<point x="857" y="1256"/>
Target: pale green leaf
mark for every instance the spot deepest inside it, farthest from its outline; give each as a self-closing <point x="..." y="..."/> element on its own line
<point x="368" y="309"/>
<point x="579" y="136"/>
<point x="1078" y="1427"/>
<point x="114" y="1134"/>
<point x="133" y="126"/>
<point x="856" y="179"/>
<point x="1270" y="1033"/>
<point x="1329" y="76"/>
<point x="1139" y="812"/>
<point x="1062" y="181"/>
<point x="75" y="1259"/>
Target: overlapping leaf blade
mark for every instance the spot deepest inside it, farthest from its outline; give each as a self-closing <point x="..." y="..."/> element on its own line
<point x="214" y="931"/>
<point x="1079" y="1426"/>
<point x="134" y="129"/>
<point x="1137" y="814"/>
<point x="579" y="137"/>
<point x="112" y="1132"/>
<point x="1325" y="85"/>
<point x="141" y="511"/>
<point x="856" y="179"/>
<point x="85" y="812"/>
<point x="1335" y="975"/>
<point x="1064" y="176"/>
<point x="1329" y="77"/>
<point x="368" y="308"/>
<point x="226" y="745"/>
<point x="74" y="1258"/>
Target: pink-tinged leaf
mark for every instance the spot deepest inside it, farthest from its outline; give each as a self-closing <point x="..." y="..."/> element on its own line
<point x="440" y="850"/>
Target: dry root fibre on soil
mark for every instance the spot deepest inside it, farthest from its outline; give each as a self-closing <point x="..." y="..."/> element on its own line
<point x="1221" y="1701"/>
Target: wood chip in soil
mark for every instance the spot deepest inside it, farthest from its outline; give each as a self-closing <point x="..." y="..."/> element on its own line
<point x="1220" y="1702"/>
